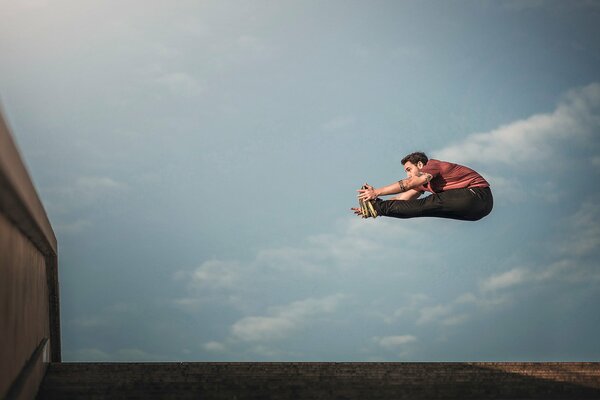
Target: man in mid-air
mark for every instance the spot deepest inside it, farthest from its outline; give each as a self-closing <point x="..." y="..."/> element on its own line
<point x="458" y="192"/>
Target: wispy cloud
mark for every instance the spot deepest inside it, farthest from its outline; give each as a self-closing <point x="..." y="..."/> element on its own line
<point x="584" y="229"/>
<point x="214" y="347"/>
<point x="535" y="138"/>
<point x="83" y="191"/>
<point x="391" y="342"/>
<point x="568" y="260"/>
<point x="284" y="320"/>
<point x="508" y="188"/>
<point x="312" y="262"/>
<point x="412" y="305"/>
<point x="506" y="279"/>
<point x="567" y="264"/>
<point x="72" y="203"/>
<point x="435" y="313"/>
<point x="267" y="321"/>
<point x="216" y="274"/>
<point x="104" y="317"/>
<point x="344" y="248"/>
<point x="355" y="243"/>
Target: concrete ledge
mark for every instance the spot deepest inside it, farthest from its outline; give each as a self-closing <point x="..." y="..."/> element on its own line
<point x="322" y="381"/>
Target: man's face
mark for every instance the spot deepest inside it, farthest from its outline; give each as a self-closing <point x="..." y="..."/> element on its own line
<point x="412" y="169"/>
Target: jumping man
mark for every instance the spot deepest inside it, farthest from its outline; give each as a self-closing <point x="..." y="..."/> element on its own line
<point x="458" y="192"/>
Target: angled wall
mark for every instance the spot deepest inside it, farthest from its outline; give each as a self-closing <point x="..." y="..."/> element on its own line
<point x="29" y="307"/>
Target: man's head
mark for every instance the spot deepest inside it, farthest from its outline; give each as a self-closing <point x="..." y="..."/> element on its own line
<point x="414" y="162"/>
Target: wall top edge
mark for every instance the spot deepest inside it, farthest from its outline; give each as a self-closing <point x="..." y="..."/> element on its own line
<point x="18" y="192"/>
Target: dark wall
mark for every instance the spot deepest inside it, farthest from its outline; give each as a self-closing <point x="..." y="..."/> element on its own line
<point x="29" y="313"/>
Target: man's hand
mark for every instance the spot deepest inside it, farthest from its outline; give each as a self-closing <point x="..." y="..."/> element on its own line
<point x="367" y="194"/>
<point x="357" y="211"/>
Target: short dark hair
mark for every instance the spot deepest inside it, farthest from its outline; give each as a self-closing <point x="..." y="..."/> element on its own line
<point x="415" y="158"/>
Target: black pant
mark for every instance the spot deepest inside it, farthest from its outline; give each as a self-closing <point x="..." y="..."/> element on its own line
<point x="464" y="204"/>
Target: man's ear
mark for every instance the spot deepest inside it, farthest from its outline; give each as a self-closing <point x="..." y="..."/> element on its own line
<point x="420" y="164"/>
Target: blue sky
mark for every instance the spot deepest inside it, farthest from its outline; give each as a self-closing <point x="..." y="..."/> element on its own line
<point x="198" y="162"/>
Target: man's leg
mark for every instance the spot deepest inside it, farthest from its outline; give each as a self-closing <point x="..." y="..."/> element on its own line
<point x="462" y="204"/>
<point x="429" y="206"/>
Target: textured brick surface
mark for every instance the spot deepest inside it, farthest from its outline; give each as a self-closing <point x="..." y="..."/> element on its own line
<point x="322" y="381"/>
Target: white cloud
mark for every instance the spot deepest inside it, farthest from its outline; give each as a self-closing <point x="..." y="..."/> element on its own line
<point x="283" y="320"/>
<point x="510" y="189"/>
<point x="506" y="279"/>
<point x="355" y="244"/>
<point x="348" y="247"/>
<point x="451" y="313"/>
<point x="584" y="230"/>
<point x="466" y="298"/>
<point x="82" y="192"/>
<point x="216" y="274"/>
<point x="358" y="241"/>
<point x="578" y="239"/>
<point x="532" y="139"/>
<point x="312" y="264"/>
<point x="214" y="347"/>
<point x="263" y="328"/>
<point x="413" y="304"/>
<point x="390" y="342"/>
<point x="188" y="303"/>
<point x="433" y="313"/>
<point x="344" y="248"/>
<point x="552" y="271"/>
<point x="455" y="320"/>
<point x="568" y="259"/>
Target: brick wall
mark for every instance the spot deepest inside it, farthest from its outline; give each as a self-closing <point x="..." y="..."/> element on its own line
<point x="364" y="381"/>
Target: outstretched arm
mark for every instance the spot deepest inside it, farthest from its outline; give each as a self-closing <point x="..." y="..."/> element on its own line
<point x="410" y="194"/>
<point x="401" y="186"/>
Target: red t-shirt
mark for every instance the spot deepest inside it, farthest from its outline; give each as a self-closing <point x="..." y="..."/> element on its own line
<point x="448" y="176"/>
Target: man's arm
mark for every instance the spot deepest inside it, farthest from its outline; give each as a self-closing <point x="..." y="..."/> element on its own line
<point x="410" y="194"/>
<point x="401" y="186"/>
